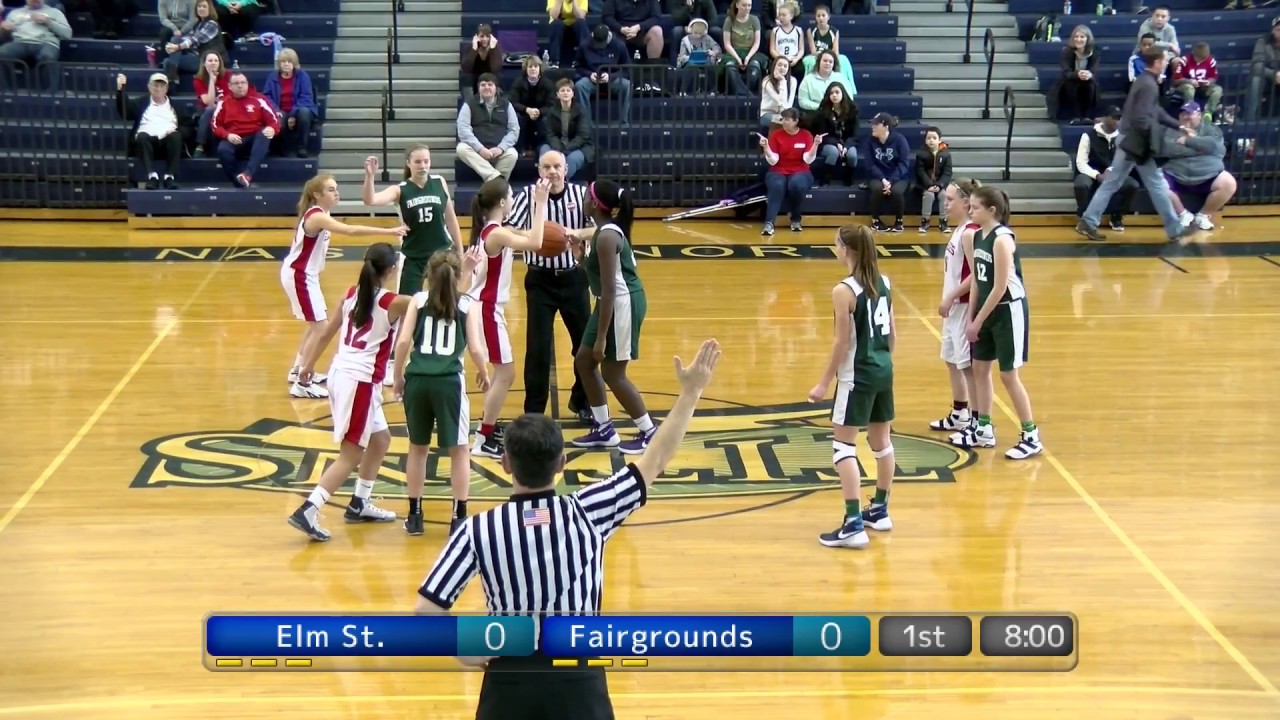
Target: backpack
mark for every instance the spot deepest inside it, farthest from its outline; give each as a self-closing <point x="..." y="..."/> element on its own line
<point x="1045" y="29"/>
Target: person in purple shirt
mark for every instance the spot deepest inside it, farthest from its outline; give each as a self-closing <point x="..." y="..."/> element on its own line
<point x="889" y="161"/>
<point x="602" y="63"/>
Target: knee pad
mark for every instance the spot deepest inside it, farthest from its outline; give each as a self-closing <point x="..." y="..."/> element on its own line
<point x="887" y="451"/>
<point x="841" y="451"/>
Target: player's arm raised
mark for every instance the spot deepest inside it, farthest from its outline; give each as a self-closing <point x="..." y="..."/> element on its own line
<point x="842" y="304"/>
<point x="373" y="198"/>
<point x="523" y="240"/>
<point x="693" y="379"/>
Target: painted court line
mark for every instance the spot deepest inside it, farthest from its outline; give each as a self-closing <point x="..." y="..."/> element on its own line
<point x="1085" y="690"/>
<point x="106" y="403"/>
<point x="1141" y="556"/>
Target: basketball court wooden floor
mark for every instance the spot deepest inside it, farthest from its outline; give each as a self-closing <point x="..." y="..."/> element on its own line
<point x="139" y="496"/>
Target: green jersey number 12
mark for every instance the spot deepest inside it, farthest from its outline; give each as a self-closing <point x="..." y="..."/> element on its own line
<point x="438" y="337"/>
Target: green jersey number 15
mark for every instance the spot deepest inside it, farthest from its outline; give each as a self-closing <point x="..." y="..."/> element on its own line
<point x="438" y="337"/>
<point x="426" y="213"/>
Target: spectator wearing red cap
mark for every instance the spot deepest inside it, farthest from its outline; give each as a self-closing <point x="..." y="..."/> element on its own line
<point x="245" y="123"/>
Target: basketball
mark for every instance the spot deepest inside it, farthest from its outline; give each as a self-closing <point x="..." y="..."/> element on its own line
<point x="554" y="240"/>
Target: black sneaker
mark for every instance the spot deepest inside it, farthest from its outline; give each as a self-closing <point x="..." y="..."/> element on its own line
<point x="153" y="183"/>
<point x="850" y="534"/>
<point x="944" y="227"/>
<point x="170" y="183"/>
<point x="456" y="523"/>
<point x="413" y="524"/>
<point x="1117" y="225"/>
<point x="498" y="433"/>
<point x="490" y="448"/>
<point x="897" y="227"/>
<point x="879" y="226"/>
<point x="1084" y="229"/>
<point x="311" y="528"/>
<point x="924" y="225"/>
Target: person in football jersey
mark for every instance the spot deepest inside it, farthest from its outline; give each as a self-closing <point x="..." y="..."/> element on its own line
<point x="425" y="207"/>
<point x="430" y="379"/>
<point x="612" y="337"/>
<point x="366" y="327"/>
<point x="954" y="308"/>
<point x="300" y="272"/>
<point x="861" y="366"/>
<point x="997" y="323"/>
<point x="492" y="288"/>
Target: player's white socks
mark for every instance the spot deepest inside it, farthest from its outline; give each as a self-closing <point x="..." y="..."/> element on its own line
<point x="364" y="489"/>
<point x="643" y="423"/>
<point x="600" y="414"/>
<point x="318" y="498"/>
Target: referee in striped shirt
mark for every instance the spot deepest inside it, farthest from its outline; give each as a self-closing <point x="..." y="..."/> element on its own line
<point x="553" y="285"/>
<point x="543" y="554"/>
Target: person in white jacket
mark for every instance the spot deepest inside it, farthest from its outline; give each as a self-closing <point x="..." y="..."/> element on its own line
<point x="36" y="34"/>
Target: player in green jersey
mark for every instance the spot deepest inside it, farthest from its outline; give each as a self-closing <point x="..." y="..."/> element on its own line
<point x="430" y="380"/>
<point x="861" y="365"/>
<point x="425" y="206"/>
<point x="612" y="337"/>
<point x="998" y="321"/>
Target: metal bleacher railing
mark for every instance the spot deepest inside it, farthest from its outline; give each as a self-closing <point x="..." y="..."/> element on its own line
<point x="1010" y="115"/>
<point x="62" y="139"/>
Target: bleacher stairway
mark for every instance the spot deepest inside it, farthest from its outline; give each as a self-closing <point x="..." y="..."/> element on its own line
<point x="953" y="93"/>
<point x="425" y="86"/>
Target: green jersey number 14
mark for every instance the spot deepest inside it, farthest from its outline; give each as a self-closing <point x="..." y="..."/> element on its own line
<point x="880" y="316"/>
<point x="438" y="337"/>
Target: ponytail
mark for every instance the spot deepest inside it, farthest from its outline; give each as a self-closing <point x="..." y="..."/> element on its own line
<point x="615" y="203"/>
<point x="442" y="278"/>
<point x="491" y="194"/>
<point x="860" y="243"/>
<point x="626" y="213"/>
<point x="378" y="259"/>
<point x="1006" y="210"/>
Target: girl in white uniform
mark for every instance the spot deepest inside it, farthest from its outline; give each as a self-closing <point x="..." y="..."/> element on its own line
<point x="954" y="307"/>
<point x="366" y="330"/>
<point x="300" y="272"/>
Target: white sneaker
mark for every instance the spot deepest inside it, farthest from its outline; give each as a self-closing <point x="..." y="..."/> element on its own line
<point x="316" y="378"/>
<point x="956" y="420"/>
<point x="975" y="436"/>
<point x="1203" y="222"/>
<point x="1186" y="218"/>
<point x="308" y="392"/>
<point x="368" y="512"/>
<point x="293" y="376"/>
<point x="1029" y="445"/>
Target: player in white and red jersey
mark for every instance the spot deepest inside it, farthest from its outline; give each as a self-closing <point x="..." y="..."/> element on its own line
<point x="300" y="272"/>
<point x="955" y="306"/>
<point x="365" y="326"/>
<point x="492" y="288"/>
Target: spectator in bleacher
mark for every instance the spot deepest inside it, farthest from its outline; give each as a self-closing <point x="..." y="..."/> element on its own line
<point x="1138" y="61"/>
<point x="488" y="131"/>
<point x="1195" y="166"/>
<point x="1166" y="37"/>
<point x="933" y="176"/>
<point x="484" y="58"/>
<point x="177" y="20"/>
<point x="240" y="17"/>
<point x="36" y="32"/>
<point x="683" y="13"/>
<point x="289" y="90"/>
<point x="568" y="130"/>
<point x="1264" y="70"/>
<point x="245" y="123"/>
<point x="156" y="126"/>
<point x="1078" y="90"/>
<point x="769" y="15"/>
<point x="888" y="161"/>
<point x="212" y="84"/>
<point x="837" y="123"/>
<point x="786" y="40"/>
<point x="790" y="151"/>
<point x="813" y="89"/>
<point x="1094" y="156"/>
<point x="191" y="51"/>
<point x="562" y="15"/>
<point x="777" y="93"/>
<point x="696" y="62"/>
<point x="638" y="24"/>
<point x="530" y="93"/>
<point x="1196" y="76"/>
<point x="107" y="16"/>
<point x="822" y="38"/>
<point x="602" y="65"/>
<point x="743" y="63"/>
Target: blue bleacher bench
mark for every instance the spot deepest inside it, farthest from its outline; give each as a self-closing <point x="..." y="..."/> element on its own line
<point x="1228" y="48"/>
<point x="849" y="26"/>
<point x="223" y="202"/>
<point x="131" y="52"/>
<point x="292" y="27"/>
<point x="207" y="171"/>
<point x="1052" y="7"/>
<point x="1116" y="80"/>
<point x="1191" y="25"/>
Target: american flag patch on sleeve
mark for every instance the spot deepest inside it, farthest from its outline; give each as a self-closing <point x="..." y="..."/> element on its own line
<point x="536" y="516"/>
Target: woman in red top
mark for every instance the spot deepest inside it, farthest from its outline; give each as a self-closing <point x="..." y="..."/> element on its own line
<point x="211" y="85"/>
<point x="789" y="152"/>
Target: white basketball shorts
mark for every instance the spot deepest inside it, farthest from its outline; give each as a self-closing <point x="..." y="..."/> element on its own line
<point x="357" y="409"/>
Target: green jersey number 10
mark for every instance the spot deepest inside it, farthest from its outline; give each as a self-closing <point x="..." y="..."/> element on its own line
<point x="426" y="213"/>
<point x="880" y="318"/>
<point x="438" y="337"/>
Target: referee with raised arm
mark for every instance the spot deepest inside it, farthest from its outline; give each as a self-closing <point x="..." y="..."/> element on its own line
<point x="553" y="285"/>
<point x="543" y="554"/>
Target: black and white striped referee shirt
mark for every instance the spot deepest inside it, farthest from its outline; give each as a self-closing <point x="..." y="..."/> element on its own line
<point x="538" y="553"/>
<point x="569" y="209"/>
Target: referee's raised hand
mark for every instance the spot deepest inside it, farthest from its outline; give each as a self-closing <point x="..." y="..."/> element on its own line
<point x="693" y="380"/>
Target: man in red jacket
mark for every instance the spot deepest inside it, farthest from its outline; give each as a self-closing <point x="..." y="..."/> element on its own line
<point x="245" y="122"/>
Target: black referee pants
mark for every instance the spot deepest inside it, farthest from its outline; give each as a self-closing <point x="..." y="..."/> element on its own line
<point x="547" y="292"/>
<point x="545" y="695"/>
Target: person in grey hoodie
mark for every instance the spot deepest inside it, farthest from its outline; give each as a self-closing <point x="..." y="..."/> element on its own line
<point x="1264" y="70"/>
<point x="1195" y="165"/>
<point x="37" y="32"/>
<point x="177" y="20"/>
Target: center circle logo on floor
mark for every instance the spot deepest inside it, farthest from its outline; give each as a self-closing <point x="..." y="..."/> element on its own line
<point x="730" y="450"/>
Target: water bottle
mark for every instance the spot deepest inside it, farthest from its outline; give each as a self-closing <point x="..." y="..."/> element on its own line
<point x="636" y="57"/>
<point x="546" y="58"/>
<point x="1066" y="7"/>
<point x="1097" y="9"/>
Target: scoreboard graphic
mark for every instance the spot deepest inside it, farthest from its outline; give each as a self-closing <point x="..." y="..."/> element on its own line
<point x="871" y="642"/>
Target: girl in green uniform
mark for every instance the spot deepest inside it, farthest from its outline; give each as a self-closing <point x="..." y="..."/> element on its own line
<point x="425" y="206"/>
<point x="861" y="365"/>
<point x="998" y="323"/>
<point x="430" y="380"/>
